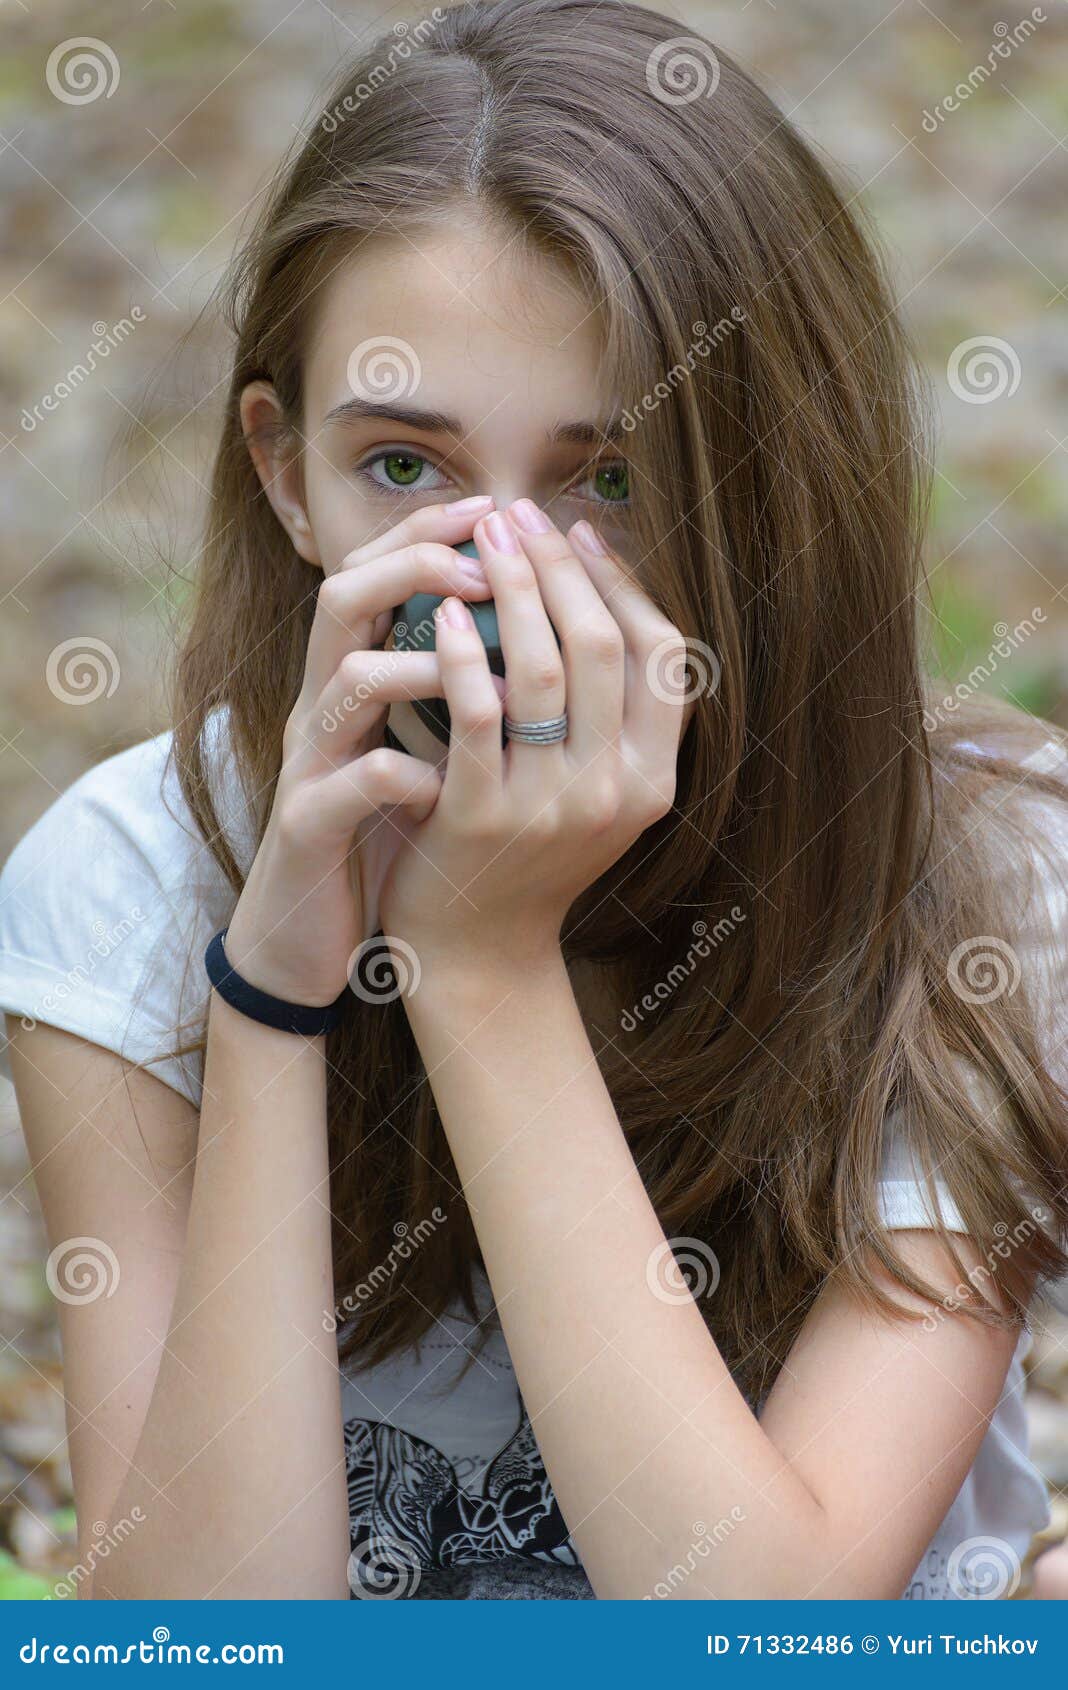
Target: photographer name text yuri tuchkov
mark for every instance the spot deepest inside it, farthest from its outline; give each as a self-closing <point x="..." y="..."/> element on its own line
<point x="843" y="1643"/>
<point x="944" y="1643"/>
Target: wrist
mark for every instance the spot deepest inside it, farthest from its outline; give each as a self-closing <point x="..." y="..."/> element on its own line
<point x="480" y="977"/>
<point x="250" y="954"/>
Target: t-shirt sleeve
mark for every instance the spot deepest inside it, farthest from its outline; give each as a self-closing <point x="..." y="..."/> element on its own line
<point x="902" y="1196"/>
<point x="1038" y="956"/>
<point x="106" y="905"/>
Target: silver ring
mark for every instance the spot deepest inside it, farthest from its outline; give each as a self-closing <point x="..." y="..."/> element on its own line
<point x="537" y="733"/>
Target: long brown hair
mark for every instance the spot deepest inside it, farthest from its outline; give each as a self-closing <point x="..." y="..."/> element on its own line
<point x="836" y="844"/>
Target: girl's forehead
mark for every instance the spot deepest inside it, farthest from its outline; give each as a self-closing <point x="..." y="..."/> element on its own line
<point x="475" y="320"/>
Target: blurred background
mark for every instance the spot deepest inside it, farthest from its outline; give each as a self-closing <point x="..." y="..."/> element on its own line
<point x="122" y="193"/>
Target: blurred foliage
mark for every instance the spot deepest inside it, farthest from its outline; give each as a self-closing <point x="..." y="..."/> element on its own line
<point x="16" y="1585"/>
<point x="962" y="643"/>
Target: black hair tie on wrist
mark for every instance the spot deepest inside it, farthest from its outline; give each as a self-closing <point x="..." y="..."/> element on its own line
<point x="307" y="1018"/>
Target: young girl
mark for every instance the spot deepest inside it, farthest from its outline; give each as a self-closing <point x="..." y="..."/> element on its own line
<point x="623" y="1142"/>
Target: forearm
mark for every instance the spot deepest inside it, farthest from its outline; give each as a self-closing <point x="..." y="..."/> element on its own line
<point x="239" y="1470"/>
<point x="647" y="1440"/>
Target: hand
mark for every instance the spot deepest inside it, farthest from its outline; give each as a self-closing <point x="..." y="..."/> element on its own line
<point x="343" y="801"/>
<point x="518" y="832"/>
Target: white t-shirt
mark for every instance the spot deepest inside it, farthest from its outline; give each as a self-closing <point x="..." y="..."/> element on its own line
<point x="106" y="906"/>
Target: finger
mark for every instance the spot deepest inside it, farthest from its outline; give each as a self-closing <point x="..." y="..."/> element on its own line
<point x="452" y="521"/>
<point x="364" y="684"/>
<point x="655" y="695"/>
<point x="351" y="602"/>
<point x="534" y="682"/>
<point x="362" y="687"/>
<point x="475" y="764"/>
<point x="593" y="646"/>
<point x="379" y="781"/>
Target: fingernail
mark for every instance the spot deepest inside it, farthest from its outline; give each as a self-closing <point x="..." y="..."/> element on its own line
<point x="455" y="613"/>
<point x="467" y="507"/>
<point x="472" y="566"/>
<point x="500" y="533"/>
<point x="588" y="536"/>
<point x="529" y="517"/>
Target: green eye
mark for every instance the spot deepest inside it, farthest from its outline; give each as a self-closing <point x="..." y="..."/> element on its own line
<point x="612" y="483"/>
<point x="399" y="470"/>
<point x="403" y="468"/>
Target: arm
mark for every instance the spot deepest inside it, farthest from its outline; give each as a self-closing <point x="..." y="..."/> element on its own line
<point x="648" y="1443"/>
<point x="203" y="1394"/>
<point x="203" y="1399"/>
<point x="867" y="1434"/>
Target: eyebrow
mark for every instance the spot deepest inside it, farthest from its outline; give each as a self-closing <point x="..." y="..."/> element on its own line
<point x="438" y="422"/>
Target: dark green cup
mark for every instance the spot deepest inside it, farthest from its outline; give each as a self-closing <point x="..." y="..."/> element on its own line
<point x="413" y="630"/>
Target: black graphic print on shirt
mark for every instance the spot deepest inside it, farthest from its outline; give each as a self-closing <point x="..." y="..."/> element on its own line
<point x="405" y="1495"/>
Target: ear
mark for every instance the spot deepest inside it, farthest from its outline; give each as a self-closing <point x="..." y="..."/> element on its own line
<point x="278" y="469"/>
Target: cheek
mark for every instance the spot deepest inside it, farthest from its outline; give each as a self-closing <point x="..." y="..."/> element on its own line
<point x="341" y="516"/>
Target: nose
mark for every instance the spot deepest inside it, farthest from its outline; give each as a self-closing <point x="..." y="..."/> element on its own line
<point x="506" y="492"/>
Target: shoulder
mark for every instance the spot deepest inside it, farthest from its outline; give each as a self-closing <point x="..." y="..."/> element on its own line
<point x="104" y="900"/>
<point x="1004" y="792"/>
<point x="1010" y="790"/>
